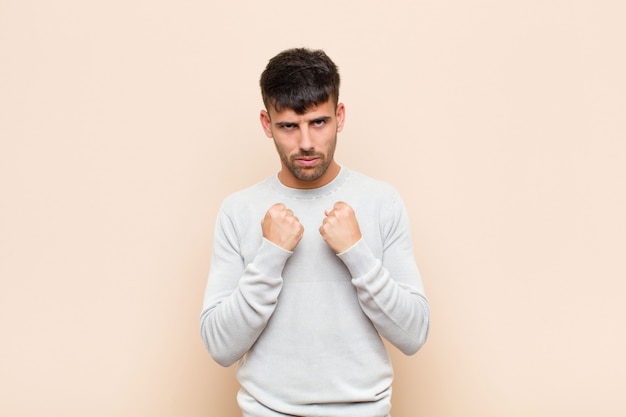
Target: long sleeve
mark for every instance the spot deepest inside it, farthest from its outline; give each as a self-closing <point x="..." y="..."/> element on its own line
<point x="307" y="326"/>
<point x="390" y="289"/>
<point x="239" y="300"/>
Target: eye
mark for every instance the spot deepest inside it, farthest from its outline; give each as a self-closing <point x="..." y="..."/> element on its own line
<point x="288" y="126"/>
<point x="319" y="122"/>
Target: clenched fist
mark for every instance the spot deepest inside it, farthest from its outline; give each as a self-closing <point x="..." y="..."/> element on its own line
<point x="281" y="227"/>
<point x="340" y="229"/>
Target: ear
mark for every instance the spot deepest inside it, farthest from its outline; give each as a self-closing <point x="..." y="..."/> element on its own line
<point x="341" y="116"/>
<point x="266" y="123"/>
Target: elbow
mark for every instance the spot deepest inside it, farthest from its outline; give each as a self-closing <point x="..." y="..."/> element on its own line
<point x="223" y="360"/>
<point x="416" y="344"/>
<point x="222" y="356"/>
<point x="411" y="341"/>
<point x="420" y="334"/>
<point x="218" y="351"/>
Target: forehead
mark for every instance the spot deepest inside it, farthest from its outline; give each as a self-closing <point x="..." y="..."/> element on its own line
<point x="326" y="109"/>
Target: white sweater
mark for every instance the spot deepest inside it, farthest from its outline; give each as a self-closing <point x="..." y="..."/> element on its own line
<point x="305" y="325"/>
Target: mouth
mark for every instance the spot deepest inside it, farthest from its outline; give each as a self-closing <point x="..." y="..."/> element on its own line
<point x="307" y="161"/>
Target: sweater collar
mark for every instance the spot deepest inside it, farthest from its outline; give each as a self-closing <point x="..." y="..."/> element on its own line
<point x="309" y="193"/>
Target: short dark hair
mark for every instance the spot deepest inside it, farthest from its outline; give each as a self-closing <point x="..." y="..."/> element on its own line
<point x="299" y="79"/>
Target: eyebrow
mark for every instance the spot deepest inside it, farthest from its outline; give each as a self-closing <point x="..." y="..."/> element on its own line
<point x="317" y="119"/>
<point x="282" y="124"/>
<point x="320" y="119"/>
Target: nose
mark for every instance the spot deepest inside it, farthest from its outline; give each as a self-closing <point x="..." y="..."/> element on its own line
<point x="306" y="141"/>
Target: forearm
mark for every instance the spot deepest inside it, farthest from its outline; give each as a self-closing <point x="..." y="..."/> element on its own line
<point x="237" y="309"/>
<point x="398" y="310"/>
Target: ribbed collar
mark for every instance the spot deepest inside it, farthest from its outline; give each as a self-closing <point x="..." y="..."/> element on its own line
<point x="309" y="193"/>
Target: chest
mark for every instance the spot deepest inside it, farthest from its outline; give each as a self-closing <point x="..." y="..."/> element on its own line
<point x="312" y="249"/>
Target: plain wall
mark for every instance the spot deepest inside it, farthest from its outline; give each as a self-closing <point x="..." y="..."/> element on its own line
<point x="123" y="124"/>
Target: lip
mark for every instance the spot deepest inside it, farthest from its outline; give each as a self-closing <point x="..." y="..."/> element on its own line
<point x="307" y="162"/>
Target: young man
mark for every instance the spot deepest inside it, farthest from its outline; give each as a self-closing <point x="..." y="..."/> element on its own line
<point x="312" y="266"/>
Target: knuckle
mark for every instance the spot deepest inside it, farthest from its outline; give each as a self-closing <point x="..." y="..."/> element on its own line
<point x="280" y="207"/>
<point x="274" y="209"/>
<point x="342" y="207"/>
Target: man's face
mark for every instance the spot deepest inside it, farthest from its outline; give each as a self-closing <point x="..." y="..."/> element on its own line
<point x="305" y="143"/>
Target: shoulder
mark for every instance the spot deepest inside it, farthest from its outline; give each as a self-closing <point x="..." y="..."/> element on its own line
<point x="371" y="187"/>
<point x="248" y="196"/>
<point x="241" y="211"/>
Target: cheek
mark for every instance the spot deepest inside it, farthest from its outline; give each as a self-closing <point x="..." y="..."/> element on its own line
<point x="328" y="140"/>
<point x="283" y="146"/>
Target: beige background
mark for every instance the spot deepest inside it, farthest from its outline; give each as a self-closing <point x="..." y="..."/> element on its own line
<point x="123" y="124"/>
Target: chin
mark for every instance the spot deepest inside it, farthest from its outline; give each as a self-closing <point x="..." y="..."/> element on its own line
<point x="309" y="175"/>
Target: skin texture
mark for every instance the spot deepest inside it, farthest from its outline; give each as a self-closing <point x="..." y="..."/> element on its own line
<point x="306" y="146"/>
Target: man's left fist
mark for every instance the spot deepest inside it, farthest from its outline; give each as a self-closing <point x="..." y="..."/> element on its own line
<point x="340" y="229"/>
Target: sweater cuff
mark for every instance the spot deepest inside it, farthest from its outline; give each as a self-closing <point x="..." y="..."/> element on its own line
<point x="359" y="259"/>
<point x="270" y="259"/>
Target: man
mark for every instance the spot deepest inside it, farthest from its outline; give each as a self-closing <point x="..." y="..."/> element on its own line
<point x="302" y="299"/>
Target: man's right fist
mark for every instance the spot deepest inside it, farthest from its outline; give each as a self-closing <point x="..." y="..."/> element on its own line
<point x="281" y="227"/>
